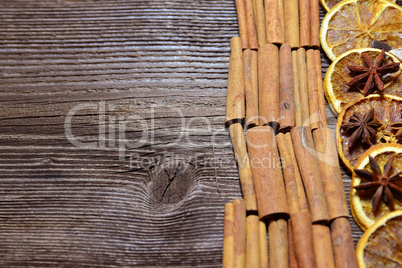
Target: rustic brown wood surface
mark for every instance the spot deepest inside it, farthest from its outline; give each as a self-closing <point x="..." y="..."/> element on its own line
<point x="113" y="150"/>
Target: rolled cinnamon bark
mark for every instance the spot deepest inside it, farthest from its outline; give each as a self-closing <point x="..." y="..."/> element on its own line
<point x="299" y="215"/>
<point x="264" y="262"/>
<point x="314" y="23"/>
<point x="251" y="86"/>
<point x="235" y="109"/>
<point x="288" y="173"/>
<point x="324" y="254"/>
<point x="312" y="90"/>
<point x="286" y="95"/>
<point x="342" y="242"/>
<point x="273" y="22"/>
<point x="260" y="21"/>
<point x="303" y="237"/>
<point x="330" y="172"/>
<point x="301" y="194"/>
<point x="268" y="84"/>
<point x="296" y="94"/>
<point x="320" y="89"/>
<point x="251" y="29"/>
<point x="243" y="164"/>
<point x="253" y="241"/>
<point x="240" y="232"/>
<point x="228" y="237"/>
<point x="292" y="253"/>
<point x="291" y="13"/>
<point x="278" y="243"/>
<point x="303" y="86"/>
<point x="241" y="20"/>
<point x="267" y="173"/>
<point x="304" y="11"/>
<point x="255" y="13"/>
<point x="282" y="17"/>
<point x="303" y="145"/>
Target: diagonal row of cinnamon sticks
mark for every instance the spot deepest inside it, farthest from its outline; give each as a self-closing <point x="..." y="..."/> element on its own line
<point x="278" y="22"/>
<point x="288" y="163"/>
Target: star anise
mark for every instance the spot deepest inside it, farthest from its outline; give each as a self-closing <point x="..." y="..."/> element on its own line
<point x="382" y="181"/>
<point x="397" y="129"/>
<point x="372" y="73"/>
<point x="364" y="127"/>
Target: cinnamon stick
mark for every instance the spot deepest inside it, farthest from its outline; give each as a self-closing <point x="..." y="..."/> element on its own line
<point x="268" y="84"/>
<point x="263" y="246"/>
<point x="288" y="173"/>
<point x="282" y="17"/>
<point x="286" y="96"/>
<point x="312" y="90"/>
<point x="278" y="243"/>
<point x="228" y="238"/>
<point x="303" y="145"/>
<point x="330" y="172"/>
<point x="251" y="29"/>
<point x="299" y="215"/>
<point x="251" y="86"/>
<point x="240" y="232"/>
<point x="291" y="13"/>
<point x="342" y="242"/>
<point x="301" y="194"/>
<point x="324" y="254"/>
<point x="241" y="20"/>
<point x="260" y="21"/>
<point x="320" y="89"/>
<point x="253" y="242"/>
<point x="273" y="22"/>
<point x="243" y="164"/>
<point x="303" y="86"/>
<point x="303" y="237"/>
<point x="304" y="11"/>
<point x="292" y="253"/>
<point x="296" y="94"/>
<point x="235" y="109"/>
<point x="267" y="173"/>
<point x="314" y="23"/>
<point x="255" y="13"/>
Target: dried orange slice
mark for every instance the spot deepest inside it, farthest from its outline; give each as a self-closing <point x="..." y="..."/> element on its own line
<point x="387" y="110"/>
<point x="361" y="200"/>
<point x="357" y="23"/>
<point x="328" y="4"/>
<point x="336" y="90"/>
<point x="380" y="245"/>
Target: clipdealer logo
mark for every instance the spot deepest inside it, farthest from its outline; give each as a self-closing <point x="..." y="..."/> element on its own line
<point x="114" y="127"/>
<point x="124" y="131"/>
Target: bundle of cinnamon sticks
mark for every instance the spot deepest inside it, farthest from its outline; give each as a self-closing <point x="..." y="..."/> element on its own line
<point x="288" y="163"/>
<point x="296" y="23"/>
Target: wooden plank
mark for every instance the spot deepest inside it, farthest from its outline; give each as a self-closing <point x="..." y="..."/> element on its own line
<point x="157" y="68"/>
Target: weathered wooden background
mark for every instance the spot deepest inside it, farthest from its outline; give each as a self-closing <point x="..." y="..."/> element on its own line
<point x="112" y="145"/>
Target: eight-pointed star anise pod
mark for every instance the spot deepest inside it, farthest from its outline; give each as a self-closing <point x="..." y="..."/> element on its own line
<point x="396" y="128"/>
<point x="364" y="127"/>
<point x="372" y="73"/>
<point x="382" y="181"/>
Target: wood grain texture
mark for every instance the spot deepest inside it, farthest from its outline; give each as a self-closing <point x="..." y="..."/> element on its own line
<point x="159" y="70"/>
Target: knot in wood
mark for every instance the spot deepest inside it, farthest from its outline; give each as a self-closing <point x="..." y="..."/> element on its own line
<point x="172" y="180"/>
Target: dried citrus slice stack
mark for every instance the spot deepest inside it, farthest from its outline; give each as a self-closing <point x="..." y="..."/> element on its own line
<point x="357" y="23"/>
<point x="328" y="4"/>
<point x="368" y="203"/>
<point x="338" y="93"/>
<point x="380" y="245"/>
<point x="386" y="110"/>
